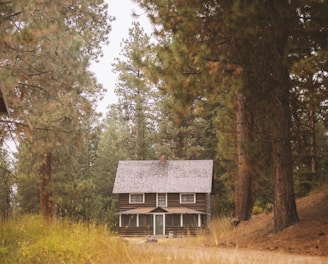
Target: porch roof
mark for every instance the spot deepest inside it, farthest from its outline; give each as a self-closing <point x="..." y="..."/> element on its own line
<point x="166" y="210"/>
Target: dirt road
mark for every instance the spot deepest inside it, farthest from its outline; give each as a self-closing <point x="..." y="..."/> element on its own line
<point x="247" y="256"/>
<point x="229" y="256"/>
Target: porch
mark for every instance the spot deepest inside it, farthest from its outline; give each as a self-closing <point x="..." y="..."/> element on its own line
<point x="174" y="221"/>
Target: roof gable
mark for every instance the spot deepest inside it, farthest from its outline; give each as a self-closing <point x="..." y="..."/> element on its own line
<point x="171" y="176"/>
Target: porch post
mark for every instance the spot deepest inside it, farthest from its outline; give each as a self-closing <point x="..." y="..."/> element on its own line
<point x="199" y="221"/>
<point x="181" y="220"/>
<point x="120" y="220"/>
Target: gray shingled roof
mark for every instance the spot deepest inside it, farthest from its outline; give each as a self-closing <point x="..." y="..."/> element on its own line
<point x="172" y="176"/>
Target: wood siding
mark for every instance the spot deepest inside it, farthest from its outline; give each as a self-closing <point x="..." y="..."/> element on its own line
<point x="148" y="231"/>
<point x="150" y="201"/>
<point x="135" y="231"/>
<point x="173" y="200"/>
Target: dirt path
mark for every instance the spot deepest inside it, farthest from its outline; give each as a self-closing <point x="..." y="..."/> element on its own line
<point x="223" y="255"/>
<point x="248" y="256"/>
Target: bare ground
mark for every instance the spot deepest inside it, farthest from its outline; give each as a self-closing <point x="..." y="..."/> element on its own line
<point x="308" y="237"/>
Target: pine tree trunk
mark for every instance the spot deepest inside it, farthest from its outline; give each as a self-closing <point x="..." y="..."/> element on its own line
<point x="285" y="213"/>
<point x="313" y="149"/>
<point x="47" y="204"/>
<point x="244" y="201"/>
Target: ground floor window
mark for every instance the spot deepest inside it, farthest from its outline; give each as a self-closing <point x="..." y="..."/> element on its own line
<point x="145" y="220"/>
<point x="129" y="220"/>
<point x="190" y="220"/>
<point x="172" y="220"/>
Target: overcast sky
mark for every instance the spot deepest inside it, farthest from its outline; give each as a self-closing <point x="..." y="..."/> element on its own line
<point x="122" y="11"/>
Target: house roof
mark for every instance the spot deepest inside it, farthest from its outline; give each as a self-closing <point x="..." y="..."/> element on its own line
<point x="171" y="176"/>
<point x="169" y="210"/>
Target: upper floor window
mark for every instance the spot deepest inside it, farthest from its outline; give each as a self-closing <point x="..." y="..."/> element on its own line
<point x="161" y="200"/>
<point x="187" y="198"/>
<point x="136" y="198"/>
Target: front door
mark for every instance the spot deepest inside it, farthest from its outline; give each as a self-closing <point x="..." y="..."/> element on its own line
<point x="159" y="224"/>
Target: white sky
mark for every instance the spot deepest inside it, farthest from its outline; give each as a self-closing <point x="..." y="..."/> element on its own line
<point x="122" y="11"/>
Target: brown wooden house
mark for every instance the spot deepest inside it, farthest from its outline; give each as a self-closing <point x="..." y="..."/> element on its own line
<point x="163" y="197"/>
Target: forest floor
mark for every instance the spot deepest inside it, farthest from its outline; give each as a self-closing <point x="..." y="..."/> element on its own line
<point x="308" y="237"/>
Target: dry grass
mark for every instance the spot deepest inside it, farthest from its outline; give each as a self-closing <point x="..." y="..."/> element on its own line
<point x="30" y="239"/>
<point x="33" y="240"/>
<point x="220" y="228"/>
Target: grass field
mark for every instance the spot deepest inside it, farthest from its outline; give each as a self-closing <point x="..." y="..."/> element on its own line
<point x="30" y="239"/>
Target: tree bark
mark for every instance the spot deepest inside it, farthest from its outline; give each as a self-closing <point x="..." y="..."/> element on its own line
<point x="285" y="213"/>
<point x="47" y="203"/>
<point x="313" y="149"/>
<point x="244" y="199"/>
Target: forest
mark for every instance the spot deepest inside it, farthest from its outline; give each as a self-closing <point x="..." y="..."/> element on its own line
<point x="244" y="83"/>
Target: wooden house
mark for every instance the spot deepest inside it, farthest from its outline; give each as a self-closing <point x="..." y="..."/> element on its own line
<point x="163" y="197"/>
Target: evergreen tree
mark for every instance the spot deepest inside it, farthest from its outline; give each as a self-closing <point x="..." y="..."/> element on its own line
<point x="135" y="93"/>
<point x="48" y="85"/>
<point x="111" y="149"/>
<point x="223" y="34"/>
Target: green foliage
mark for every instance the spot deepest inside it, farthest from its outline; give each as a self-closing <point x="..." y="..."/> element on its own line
<point x="52" y="96"/>
<point x="236" y="47"/>
<point x="261" y="206"/>
<point x="6" y="185"/>
<point x="135" y="94"/>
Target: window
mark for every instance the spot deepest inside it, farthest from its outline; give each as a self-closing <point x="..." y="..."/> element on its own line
<point x="161" y="199"/>
<point x="137" y="198"/>
<point x="187" y="198"/>
<point x="172" y="220"/>
<point x="145" y="220"/>
<point x="190" y="220"/>
<point x="129" y="220"/>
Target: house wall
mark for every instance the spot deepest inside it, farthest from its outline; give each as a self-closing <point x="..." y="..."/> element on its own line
<point x="173" y="200"/>
<point x="148" y="231"/>
<point x="150" y="201"/>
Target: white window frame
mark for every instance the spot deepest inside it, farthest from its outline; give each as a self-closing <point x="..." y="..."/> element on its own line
<point x="157" y="204"/>
<point x="194" y="201"/>
<point x="143" y="198"/>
